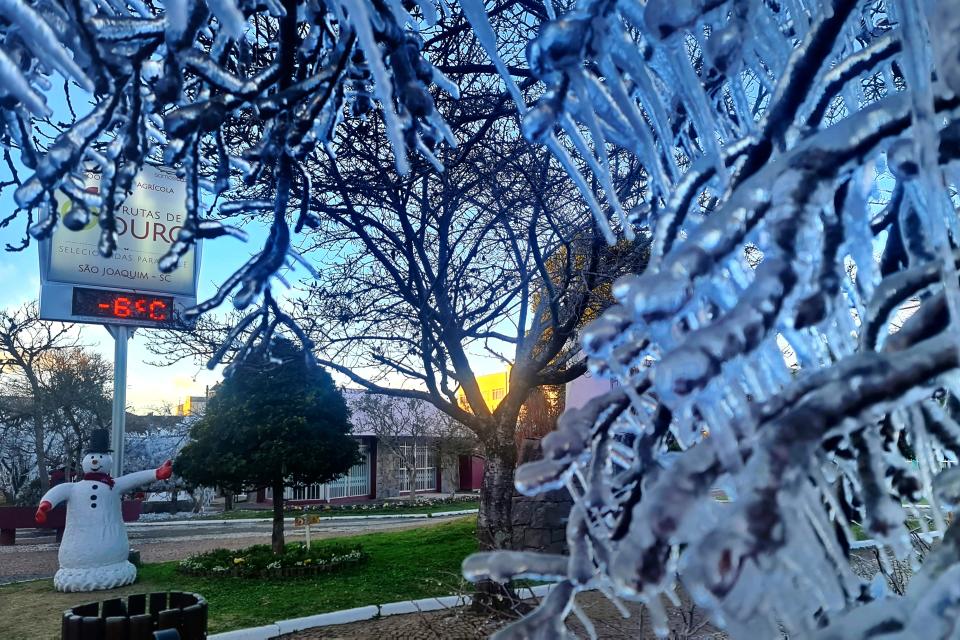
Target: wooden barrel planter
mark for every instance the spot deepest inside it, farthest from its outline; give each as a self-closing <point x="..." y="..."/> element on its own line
<point x="137" y="617"/>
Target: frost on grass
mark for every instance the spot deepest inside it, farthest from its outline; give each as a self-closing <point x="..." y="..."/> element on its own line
<point x="818" y="138"/>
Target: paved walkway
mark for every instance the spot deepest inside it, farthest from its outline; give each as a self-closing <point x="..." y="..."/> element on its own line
<point x="686" y="621"/>
<point x="35" y="554"/>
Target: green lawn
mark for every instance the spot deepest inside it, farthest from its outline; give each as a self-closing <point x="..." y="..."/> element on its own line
<point x="400" y="508"/>
<point x="405" y="565"/>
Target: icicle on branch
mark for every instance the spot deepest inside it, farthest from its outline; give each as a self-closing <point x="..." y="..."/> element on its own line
<point x="802" y="181"/>
<point x="226" y="92"/>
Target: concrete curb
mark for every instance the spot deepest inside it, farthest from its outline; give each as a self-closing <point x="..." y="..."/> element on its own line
<point x="253" y="633"/>
<point x="4" y="583"/>
<point x="357" y="614"/>
<point x="343" y="616"/>
<point x="386" y="516"/>
<point x="870" y="542"/>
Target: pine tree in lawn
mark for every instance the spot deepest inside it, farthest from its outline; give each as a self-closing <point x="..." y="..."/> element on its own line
<point x="277" y="421"/>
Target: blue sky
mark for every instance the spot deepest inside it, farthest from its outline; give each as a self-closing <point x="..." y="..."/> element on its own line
<point x="151" y="387"/>
<point x="148" y="387"/>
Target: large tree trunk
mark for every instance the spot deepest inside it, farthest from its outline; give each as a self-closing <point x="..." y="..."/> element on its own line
<point x="494" y="525"/>
<point x="277" y="536"/>
<point x="228" y="500"/>
<point x="494" y="520"/>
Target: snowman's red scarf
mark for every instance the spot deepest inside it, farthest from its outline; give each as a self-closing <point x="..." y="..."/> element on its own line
<point x="99" y="476"/>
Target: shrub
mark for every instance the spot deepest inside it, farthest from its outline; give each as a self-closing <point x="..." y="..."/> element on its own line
<point x="259" y="561"/>
<point x="386" y="506"/>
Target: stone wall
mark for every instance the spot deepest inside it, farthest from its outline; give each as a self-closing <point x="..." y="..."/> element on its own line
<point x="388" y="472"/>
<point x="540" y="522"/>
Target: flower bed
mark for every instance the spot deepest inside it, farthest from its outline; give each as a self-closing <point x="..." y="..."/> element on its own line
<point x="386" y="506"/>
<point x="259" y="561"/>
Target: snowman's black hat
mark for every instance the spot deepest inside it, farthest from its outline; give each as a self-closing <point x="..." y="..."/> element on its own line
<point x="99" y="442"/>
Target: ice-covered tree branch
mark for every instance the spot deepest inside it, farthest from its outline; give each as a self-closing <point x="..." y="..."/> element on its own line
<point x="813" y="137"/>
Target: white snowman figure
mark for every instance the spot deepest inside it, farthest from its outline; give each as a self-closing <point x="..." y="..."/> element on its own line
<point x="94" y="550"/>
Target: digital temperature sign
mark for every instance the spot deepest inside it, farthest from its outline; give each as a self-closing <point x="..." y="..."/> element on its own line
<point x="122" y="305"/>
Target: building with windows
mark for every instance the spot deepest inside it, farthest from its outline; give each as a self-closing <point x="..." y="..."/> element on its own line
<point x="381" y="473"/>
<point x="195" y="405"/>
<point x="356" y="486"/>
<point x="493" y="387"/>
<point x="192" y="406"/>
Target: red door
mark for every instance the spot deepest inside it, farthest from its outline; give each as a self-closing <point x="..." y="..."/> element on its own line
<point x="471" y="472"/>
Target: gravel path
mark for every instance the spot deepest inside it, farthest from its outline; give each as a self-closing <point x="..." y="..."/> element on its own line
<point x="686" y="622"/>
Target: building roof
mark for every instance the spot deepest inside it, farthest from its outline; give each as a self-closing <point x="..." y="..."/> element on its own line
<point x="361" y="420"/>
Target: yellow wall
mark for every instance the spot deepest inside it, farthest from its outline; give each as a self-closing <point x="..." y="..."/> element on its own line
<point x="493" y="386"/>
<point x="191" y="405"/>
<point x="184" y="408"/>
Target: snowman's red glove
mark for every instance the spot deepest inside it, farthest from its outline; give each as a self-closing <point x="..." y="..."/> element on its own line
<point x="41" y="515"/>
<point x="165" y="470"/>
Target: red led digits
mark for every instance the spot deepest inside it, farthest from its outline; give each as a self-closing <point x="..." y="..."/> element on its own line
<point x="130" y="306"/>
<point x="158" y="310"/>
<point x="121" y="307"/>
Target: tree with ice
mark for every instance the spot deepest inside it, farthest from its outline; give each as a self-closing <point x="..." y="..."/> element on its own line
<point x="422" y="270"/>
<point x="814" y="135"/>
<point x="53" y="394"/>
<point x="76" y="388"/>
<point x="27" y="349"/>
<point x="247" y="98"/>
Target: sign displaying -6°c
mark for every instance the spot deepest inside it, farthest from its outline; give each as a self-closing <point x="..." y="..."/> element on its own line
<point x="128" y="288"/>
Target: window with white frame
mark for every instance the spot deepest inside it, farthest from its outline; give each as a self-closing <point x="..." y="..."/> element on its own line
<point x="353" y="484"/>
<point x="426" y="462"/>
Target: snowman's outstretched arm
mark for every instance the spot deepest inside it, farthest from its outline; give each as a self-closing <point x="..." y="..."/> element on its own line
<point x="52" y="498"/>
<point x="134" y="480"/>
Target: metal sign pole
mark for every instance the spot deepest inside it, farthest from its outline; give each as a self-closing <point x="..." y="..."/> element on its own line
<point x="121" y="334"/>
<point x="86" y="287"/>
